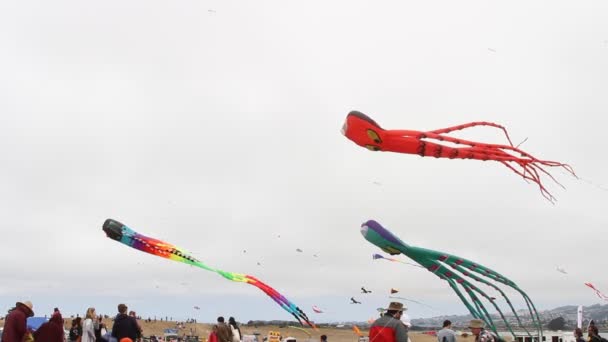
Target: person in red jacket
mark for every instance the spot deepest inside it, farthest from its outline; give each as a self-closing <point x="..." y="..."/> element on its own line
<point x="51" y="331"/>
<point x="389" y="327"/>
<point x="15" y="325"/>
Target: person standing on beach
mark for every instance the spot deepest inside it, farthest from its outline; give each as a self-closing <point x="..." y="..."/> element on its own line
<point x="236" y="331"/>
<point x="593" y="333"/>
<point x="51" y="331"/>
<point x="446" y="334"/>
<point x="224" y="334"/>
<point x="213" y="335"/>
<point x="578" y="335"/>
<point x="75" y="330"/>
<point x="88" y="326"/>
<point x="124" y="325"/>
<point x="389" y="327"/>
<point x="323" y="338"/>
<point x="481" y="335"/>
<point x="139" y="329"/>
<point x="100" y="329"/>
<point x="15" y="323"/>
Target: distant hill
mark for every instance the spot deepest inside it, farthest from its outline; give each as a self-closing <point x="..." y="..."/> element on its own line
<point x="597" y="312"/>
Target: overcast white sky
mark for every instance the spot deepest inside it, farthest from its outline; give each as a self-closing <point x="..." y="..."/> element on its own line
<point x="215" y="125"/>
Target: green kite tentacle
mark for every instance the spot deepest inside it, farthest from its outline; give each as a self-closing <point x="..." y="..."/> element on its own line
<point x="481" y="280"/>
<point x="444" y="273"/>
<point x="472" y="266"/>
<point x="471" y="292"/>
<point x="466" y="303"/>
<point x="538" y="323"/>
<point x="487" y="272"/>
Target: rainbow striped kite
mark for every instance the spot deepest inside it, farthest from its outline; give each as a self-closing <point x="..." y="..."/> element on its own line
<point x="121" y="233"/>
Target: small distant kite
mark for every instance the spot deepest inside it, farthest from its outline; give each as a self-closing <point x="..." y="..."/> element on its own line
<point x="125" y="235"/>
<point x="561" y="270"/>
<point x="364" y="290"/>
<point x="353" y="301"/>
<point x="299" y="250"/>
<point x="394" y="291"/>
<point x="314" y="255"/>
<point x="378" y="256"/>
<point x="365" y="132"/>
<point x="316" y="309"/>
<point x="597" y="292"/>
<point x="197" y="308"/>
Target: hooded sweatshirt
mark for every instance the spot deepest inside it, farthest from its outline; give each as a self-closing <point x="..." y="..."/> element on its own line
<point x="51" y="331"/>
<point x="15" y="324"/>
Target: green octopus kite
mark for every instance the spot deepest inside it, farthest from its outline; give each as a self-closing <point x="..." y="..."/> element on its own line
<point x="438" y="263"/>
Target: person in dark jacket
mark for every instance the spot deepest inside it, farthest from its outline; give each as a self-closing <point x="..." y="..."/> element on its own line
<point x="594" y="335"/>
<point x="15" y="324"/>
<point x="578" y="335"/>
<point x="98" y="328"/>
<point x="139" y="329"/>
<point x="51" y="331"/>
<point x="124" y="325"/>
<point x="390" y="328"/>
<point x="76" y="329"/>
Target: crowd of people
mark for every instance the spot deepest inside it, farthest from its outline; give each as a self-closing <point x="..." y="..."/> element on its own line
<point x="126" y="328"/>
<point x="222" y="332"/>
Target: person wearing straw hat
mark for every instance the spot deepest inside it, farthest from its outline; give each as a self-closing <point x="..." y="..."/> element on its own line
<point x="481" y="335"/>
<point x="15" y="324"/>
<point x="389" y="327"/>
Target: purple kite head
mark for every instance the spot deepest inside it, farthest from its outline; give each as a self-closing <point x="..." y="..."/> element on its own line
<point x="373" y="232"/>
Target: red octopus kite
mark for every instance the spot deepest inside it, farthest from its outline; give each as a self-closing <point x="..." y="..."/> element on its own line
<point x="365" y="132"/>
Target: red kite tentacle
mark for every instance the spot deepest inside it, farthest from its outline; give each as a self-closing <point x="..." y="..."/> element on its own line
<point x="496" y="147"/>
<point x="472" y="124"/>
